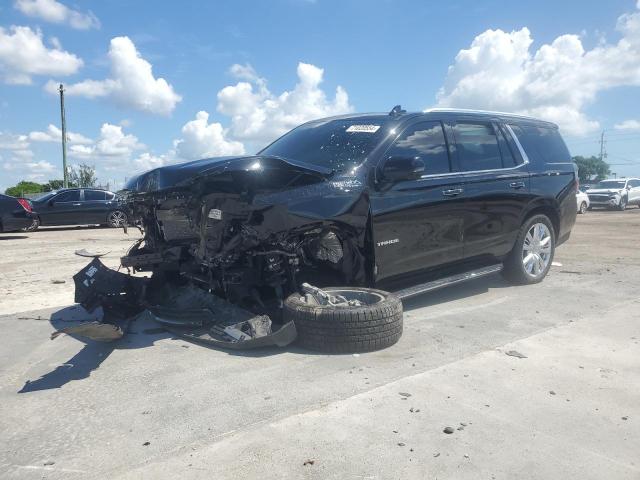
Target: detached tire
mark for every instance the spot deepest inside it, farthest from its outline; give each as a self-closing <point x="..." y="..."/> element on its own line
<point x="346" y="329"/>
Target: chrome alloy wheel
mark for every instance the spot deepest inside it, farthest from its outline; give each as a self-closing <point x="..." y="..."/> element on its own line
<point x="536" y="250"/>
<point x="117" y="219"/>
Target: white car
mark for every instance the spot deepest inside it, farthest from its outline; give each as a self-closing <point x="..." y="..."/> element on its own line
<point x="582" y="199"/>
<point x="615" y="193"/>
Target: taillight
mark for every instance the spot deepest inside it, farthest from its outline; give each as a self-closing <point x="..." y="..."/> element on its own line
<point x="25" y="204"/>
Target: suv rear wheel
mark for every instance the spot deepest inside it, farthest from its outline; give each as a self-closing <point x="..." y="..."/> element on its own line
<point x="531" y="257"/>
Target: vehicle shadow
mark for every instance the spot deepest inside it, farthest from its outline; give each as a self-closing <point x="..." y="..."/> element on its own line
<point x="13" y="237"/>
<point x="456" y="292"/>
<point x="93" y="353"/>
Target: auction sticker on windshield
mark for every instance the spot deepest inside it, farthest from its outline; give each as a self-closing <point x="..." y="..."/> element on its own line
<point x="363" y="128"/>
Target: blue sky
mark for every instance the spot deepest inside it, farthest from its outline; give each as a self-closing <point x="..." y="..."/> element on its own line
<point x="573" y="62"/>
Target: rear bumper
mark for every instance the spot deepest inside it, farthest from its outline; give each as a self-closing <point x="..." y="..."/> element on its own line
<point x="16" y="221"/>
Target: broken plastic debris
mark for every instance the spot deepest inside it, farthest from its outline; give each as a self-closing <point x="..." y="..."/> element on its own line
<point x="515" y="353"/>
<point x="84" y="253"/>
<point x="101" y="332"/>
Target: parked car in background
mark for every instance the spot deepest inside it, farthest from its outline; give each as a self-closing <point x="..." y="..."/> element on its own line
<point x="615" y="193"/>
<point x="582" y="200"/>
<point x="78" y="206"/>
<point x="15" y="213"/>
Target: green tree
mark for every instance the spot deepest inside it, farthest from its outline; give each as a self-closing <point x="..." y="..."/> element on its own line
<point x="591" y="168"/>
<point x="24" y="187"/>
<point x="54" y="185"/>
<point x="82" y="176"/>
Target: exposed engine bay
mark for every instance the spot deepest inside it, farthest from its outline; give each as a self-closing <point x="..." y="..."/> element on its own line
<point x="251" y="235"/>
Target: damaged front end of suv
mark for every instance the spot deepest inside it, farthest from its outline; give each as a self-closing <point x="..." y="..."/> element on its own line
<point x="250" y="229"/>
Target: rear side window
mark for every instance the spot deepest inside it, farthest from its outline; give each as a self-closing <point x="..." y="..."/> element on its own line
<point x="506" y="150"/>
<point x="94" y="195"/>
<point x="542" y="144"/>
<point x="425" y="141"/>
<point x="70" y="196"/>
<point x="477" y="146"/>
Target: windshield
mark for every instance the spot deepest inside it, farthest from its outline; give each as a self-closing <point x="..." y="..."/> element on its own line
<point x="339" y="145"/>
<point x="610" y="184"/>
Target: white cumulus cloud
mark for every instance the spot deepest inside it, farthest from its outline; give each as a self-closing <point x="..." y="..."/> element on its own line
<point x="113" y="147"/>
<point x="131" y="85"/>
<point x="54" y="134"/>
<point x="147" y="161"/>
<point x="201" y="139"/>
<point x="259" y="116"/>
<point x="56" y="12"/>
<point x="23" y="54"/>
<point x="499" y="71"/>
<point x="628" y="125"/>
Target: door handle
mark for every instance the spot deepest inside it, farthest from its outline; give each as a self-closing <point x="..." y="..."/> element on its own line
<point x="517" y="185"/>
<point x="452" y="192"/>
<point x="77" y="204"/>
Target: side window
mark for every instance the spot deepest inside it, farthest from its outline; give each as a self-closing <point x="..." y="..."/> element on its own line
<point x="94" y="195"/>
<point x="542" y="144"/>
<point x="425" y="141"/>
<point x="69" y="196"/>
<point x="477" y="146"/>
<point x="634" y="183"/>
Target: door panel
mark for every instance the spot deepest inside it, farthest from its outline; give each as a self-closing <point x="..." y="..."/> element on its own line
<point x="64" y="210"/>
<point x="496" y="182"/>
<point x="417" y="223"/>
<point x="494" y="203"/>
<point x="95" y="206"/>
<point x="415" y="226"/>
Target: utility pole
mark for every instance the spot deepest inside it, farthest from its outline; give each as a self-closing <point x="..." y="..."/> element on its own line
<point x="65" y="182"/>
<point x="602" y="152"/>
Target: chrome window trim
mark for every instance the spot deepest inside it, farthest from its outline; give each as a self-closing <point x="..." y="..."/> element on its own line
<point x="525" y="158"/>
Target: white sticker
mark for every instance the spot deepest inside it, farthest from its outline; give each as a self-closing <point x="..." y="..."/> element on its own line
<point x="215" y="214"/>
<point x="363" y="128"/>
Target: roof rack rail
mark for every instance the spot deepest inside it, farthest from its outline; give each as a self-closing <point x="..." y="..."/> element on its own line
<point x="397" y="110"/>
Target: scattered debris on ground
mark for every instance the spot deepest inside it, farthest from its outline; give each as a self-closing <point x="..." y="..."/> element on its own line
<point x="448" y="430"/>
<point x="515" y="353"/>
<point x="84" y="253"/>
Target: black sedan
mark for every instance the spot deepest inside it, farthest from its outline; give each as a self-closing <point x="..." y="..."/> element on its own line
<point x="78" y="206"/>
<point x="15" y="214"/>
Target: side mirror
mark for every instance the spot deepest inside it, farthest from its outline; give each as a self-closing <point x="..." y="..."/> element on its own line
<point x="396" y="169"/>
<point x="51" y="202"/>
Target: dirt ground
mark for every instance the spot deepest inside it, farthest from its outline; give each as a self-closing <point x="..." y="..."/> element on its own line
<point x="154" y="406"/>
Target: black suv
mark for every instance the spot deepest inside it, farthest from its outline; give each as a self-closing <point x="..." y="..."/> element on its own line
<point x="78" y="206"/>
<point x="402" y="201"/>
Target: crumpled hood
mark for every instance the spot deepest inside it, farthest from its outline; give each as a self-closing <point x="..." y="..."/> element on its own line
<point x="182" y="174"/>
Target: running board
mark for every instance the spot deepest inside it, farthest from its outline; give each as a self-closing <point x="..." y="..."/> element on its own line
<point x="447" y="281"/>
